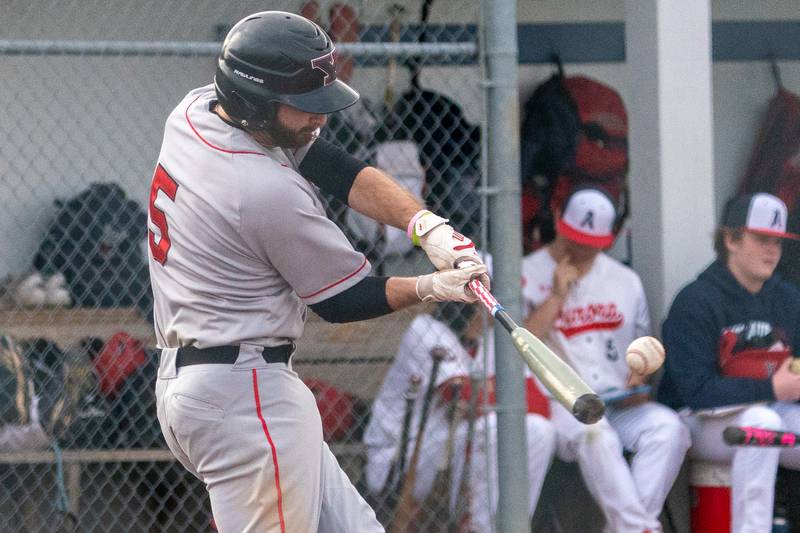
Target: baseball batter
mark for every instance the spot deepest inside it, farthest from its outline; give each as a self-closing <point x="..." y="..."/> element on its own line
<point x="383" y="434"/>
<point x="588" y="308"/>
<point x="240" y="246"/>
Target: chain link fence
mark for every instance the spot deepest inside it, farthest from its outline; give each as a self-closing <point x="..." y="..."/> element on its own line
<point x="87" y="86"/>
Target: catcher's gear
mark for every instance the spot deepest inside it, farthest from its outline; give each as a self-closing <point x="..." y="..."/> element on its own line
<point x="278" y="57"/>
<point x="450" y="285"/>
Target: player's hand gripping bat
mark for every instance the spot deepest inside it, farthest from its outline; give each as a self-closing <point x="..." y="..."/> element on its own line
<point x="750" y="436"/>
<point x="556" y="375"/>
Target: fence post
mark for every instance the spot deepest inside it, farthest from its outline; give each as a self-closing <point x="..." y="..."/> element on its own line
<point x="502" y="145"/>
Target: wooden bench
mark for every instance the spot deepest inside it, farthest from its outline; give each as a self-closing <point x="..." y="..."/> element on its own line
<point x="365" y="348"/>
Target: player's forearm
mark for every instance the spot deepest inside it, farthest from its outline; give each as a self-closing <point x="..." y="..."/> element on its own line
<point x="540" y="321"/>
<point x="401" y="292"/>
<point x="376" y="195"/>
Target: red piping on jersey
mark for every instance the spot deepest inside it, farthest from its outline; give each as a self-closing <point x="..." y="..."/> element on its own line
<point x="274" y="451"/>
<point x="186" y="114"/>
<point x="323" y="289"/>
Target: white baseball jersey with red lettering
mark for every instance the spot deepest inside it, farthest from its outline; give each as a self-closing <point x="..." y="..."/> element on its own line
<point x="605" y="310"/>
<point x="239" y="245"/>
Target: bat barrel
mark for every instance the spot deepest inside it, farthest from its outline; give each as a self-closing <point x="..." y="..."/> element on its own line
<point x="588" y="408"/>
<point x="556" y="375"/>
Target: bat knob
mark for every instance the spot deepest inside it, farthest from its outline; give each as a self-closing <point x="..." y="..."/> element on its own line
<point x="438" y="352"/>
<point x="588" y="408"/>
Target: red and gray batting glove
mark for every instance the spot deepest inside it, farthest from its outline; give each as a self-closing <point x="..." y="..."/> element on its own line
<point x="450" y="285"/>
<point x="445" y="247"/>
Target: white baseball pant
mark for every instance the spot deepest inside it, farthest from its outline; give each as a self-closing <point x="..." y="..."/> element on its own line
<point x="631" y="497"/>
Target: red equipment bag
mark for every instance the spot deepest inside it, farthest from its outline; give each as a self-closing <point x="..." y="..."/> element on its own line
<point x="574" y="133"/>
<point x="120" y="357"/>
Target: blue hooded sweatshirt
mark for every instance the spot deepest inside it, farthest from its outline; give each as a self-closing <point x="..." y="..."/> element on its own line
<point x="715" y="312"/>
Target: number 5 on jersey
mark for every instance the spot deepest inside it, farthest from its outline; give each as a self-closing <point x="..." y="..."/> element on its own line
<point x="161" y="182"/>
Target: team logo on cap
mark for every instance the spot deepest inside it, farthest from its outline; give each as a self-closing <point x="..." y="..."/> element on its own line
<point x="588" y="220"/>
<point x="326" y="65"/>
<point x="777" y="222"/>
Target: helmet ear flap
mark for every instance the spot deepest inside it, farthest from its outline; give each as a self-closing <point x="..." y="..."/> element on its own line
<point x="241" y="110"/>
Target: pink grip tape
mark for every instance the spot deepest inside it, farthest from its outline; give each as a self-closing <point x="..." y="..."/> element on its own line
<point x="484" y="296"/>
<point x="765" y="437"/>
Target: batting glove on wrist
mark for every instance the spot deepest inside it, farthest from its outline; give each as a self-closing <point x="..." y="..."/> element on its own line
<point x="445" y="247"/>
<point x="449" y="285"/>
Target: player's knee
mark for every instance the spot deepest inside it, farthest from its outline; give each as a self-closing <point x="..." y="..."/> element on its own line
<point x="669" y="430"/>
<point x="761" y="416"/>
<point x="600" y="436"/>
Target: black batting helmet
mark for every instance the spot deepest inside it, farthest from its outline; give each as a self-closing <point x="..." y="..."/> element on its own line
<point x="274" y="56"/>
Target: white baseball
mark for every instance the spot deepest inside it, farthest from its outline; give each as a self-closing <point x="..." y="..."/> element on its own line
<point x="645" y="355"/>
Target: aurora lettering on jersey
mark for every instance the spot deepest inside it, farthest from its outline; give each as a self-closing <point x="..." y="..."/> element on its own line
<point x="588" y="318"/>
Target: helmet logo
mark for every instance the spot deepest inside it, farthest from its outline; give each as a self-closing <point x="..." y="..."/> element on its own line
<point x="325" y="64"/>
<point x="248" y="76"/>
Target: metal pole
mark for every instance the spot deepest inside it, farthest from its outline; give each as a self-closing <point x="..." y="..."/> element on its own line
<point x="451" y="51"/>
<point x="502" y="143"/>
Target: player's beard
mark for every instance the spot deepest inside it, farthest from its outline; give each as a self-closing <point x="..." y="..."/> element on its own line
<point x="280" y="135"/>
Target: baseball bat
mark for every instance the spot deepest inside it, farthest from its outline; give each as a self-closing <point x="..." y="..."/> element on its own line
<point x="404" y="512"/>
<point x="555" y="374"/>
<point x="391" y="489"/>
<point x="750" y="436"/>
<point x="794" y="366"/>
<point x="395" y="25"/>
<point x="615" y="396"/>
<point x="437" y="503"/>
<point x="463" y="500"/>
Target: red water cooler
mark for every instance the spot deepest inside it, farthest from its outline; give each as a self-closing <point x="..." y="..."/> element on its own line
<point x="710" y="485"/>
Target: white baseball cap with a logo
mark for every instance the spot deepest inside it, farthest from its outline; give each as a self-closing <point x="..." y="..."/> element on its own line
<point x="588" y="218"/>
<point x="758" y="213"/>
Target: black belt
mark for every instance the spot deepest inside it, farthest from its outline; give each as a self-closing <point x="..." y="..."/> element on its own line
<point x="227" y="355"/>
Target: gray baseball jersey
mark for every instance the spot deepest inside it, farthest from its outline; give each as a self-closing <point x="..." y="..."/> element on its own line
<point x="239" y="244"/>
<point x="239" y="241"/>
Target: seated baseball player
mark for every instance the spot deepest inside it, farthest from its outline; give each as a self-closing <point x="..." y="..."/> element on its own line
<point x="730" y="336"/>
<point x="588" y="308"/>
<point x="458" y="329"/>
